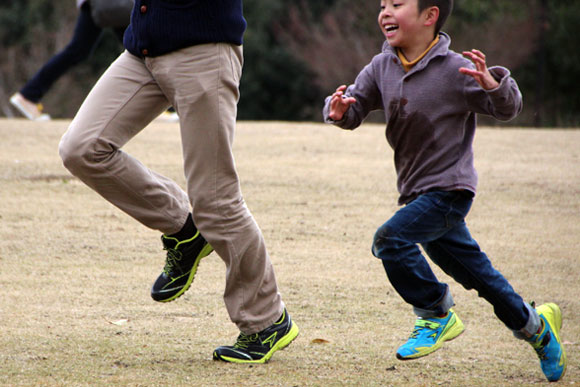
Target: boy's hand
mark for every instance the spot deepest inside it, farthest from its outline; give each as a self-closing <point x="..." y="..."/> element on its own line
<point x="481" y="74"/>
<point x="339" y="104"/>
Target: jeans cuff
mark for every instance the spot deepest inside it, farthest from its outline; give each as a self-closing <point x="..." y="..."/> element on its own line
<point x="531" y="327"/>
<point x="441" y="308"/>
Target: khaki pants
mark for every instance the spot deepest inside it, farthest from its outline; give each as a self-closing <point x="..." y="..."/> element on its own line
<point x="201" y="83"/>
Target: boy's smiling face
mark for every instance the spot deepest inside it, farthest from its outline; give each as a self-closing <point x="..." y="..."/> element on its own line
<point x="403" y="25"/>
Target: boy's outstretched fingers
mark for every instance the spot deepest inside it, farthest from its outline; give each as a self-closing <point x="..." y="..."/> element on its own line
<point x="339" y="104"/>
<point x="481" y="73"/>
<point x="473" y="54"/>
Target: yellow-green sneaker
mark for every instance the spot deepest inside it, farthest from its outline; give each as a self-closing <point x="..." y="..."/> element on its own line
<point x="429" y="335"/>
<point x="181" y="264"/>
<point x="259" y="347"/>
<point x="548" y="344"/>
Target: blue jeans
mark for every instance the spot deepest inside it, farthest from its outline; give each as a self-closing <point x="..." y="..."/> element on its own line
<point x="85" y="39"/>
<point x="436" y="220"/>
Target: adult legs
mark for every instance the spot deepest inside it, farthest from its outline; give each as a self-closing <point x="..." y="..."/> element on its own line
<point x="122" y="102"/>
<point x="201" y="82"/>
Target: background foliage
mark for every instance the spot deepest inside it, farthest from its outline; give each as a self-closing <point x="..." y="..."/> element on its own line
<point x="297" y="52"/>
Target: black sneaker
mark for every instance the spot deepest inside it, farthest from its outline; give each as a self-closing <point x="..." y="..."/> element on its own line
<point x="259" y="347"/>
<point x="180" y="266"/>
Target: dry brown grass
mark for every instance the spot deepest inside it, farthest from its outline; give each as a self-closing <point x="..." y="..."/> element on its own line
<point x="71" y="265"/>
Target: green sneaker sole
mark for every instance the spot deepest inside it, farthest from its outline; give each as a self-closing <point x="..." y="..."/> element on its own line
<point x="281" y="344"/>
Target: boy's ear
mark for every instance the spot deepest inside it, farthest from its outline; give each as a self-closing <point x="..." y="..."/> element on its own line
<point x="431" y="16"/>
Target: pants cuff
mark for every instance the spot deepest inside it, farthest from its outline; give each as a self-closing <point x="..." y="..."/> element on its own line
<point x="531" y="327"/>
<point x="441" y="308"/>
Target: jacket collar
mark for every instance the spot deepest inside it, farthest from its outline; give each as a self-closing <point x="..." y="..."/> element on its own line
<point x="440" y="49"/>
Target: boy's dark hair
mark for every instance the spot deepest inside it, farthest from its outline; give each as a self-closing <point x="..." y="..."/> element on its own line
<point x="445" y="7"/>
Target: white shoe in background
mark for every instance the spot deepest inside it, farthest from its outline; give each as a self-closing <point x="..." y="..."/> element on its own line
<point x="29" y="109"/>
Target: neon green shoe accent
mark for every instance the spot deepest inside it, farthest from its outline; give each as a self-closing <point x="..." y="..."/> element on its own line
<point x="181" y="264"/>
<point x="259" y="347"/>
<point x="207" y="249"/>
<point x="429" y="335"/>
<point x="281" y="344"/>
<point x="548" y="343"/>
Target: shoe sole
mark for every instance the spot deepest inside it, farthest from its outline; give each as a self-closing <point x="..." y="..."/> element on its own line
<point x="557" y="313"/>
<point x="207" y="249"/>
<point x="454" y="331"/>
<point x="281" y="344"/>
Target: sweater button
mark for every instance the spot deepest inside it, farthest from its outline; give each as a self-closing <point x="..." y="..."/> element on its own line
<point x="145" y="51"/>
<point x="143" y="9"/>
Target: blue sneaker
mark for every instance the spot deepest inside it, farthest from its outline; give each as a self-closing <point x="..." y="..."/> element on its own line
<point x="429" y="335"/>
<point x="547" y="342"/>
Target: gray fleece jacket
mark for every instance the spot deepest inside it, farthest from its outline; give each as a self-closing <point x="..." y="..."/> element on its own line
<point x="431" y="115"/>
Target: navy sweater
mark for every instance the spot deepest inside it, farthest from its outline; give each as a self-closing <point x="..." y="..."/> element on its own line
<point x="162" y="26"/>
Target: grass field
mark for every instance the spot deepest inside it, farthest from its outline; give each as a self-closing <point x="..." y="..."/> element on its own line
<point x="75" y="272"/>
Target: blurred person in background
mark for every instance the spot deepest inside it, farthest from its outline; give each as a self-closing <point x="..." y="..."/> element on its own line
<point x="86" y="37"/>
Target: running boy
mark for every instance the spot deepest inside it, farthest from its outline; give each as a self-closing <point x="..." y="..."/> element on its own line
<point x="430" y="96"/>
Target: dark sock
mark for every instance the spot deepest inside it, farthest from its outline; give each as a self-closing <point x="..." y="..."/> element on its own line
<point x="187" y="231"/>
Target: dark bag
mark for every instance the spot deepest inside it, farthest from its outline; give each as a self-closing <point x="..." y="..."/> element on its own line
<point x="111" y="13"/>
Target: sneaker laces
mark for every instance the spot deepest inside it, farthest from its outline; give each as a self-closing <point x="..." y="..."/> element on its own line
<point x="172" y="260"/>
<point x="541" y="351"/>
<point x="422" y="324"/>
<point x="540" y="346"/>
<point x="244" y="340"/>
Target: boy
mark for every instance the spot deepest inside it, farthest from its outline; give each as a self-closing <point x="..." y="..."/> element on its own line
<point x="187" y="55"/>
<point x="430" y="96"/>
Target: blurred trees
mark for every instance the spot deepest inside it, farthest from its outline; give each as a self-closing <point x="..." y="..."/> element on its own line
<point x="297" y="52"/>
<point x="275" y="84"/>
<point x="552" y="76"/>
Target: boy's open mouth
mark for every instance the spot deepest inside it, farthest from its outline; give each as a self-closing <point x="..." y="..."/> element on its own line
<point x="391" y="27"/>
